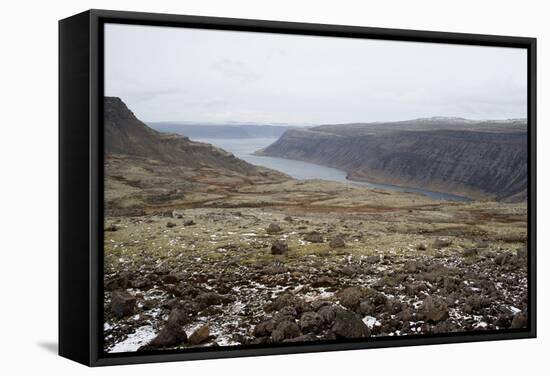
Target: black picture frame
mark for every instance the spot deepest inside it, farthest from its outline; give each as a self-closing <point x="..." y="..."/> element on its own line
<point x="81" y="182"/>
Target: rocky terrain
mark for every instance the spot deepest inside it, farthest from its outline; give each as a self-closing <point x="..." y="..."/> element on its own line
<point x="482" y="160"/>
<point x="299" y="261"/>
<point x="202" y="249"/>
<point x="145" y="168"/>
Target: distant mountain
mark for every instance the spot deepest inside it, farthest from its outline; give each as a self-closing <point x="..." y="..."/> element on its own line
<point x="126" y="135"/>
<point x="480" y="159"/>
<point x="221" y="130"/>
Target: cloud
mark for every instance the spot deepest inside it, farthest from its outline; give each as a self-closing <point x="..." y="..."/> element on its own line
<point x="237" y="70"/>
<point x="167" y="73"/>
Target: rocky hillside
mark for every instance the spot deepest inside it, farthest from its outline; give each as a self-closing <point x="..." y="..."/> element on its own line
<point x="476" y="159"/>
<point x="127" y="135"/>
<point x="146" y="169"/>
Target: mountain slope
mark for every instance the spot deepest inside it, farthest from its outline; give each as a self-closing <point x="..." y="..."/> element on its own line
<point x="125" y="134"/>
<point x="146" y="170"/>
<point x="476" y="159"/>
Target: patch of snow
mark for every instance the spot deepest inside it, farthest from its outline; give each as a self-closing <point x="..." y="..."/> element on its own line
<point x="370" y="321"/>
<point x="134" y="341"/>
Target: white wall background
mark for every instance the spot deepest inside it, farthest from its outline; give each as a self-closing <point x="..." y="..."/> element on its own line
<point x="28" y="189"/>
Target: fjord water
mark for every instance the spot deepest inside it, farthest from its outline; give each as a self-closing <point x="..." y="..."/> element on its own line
<point x="244" y="148"/>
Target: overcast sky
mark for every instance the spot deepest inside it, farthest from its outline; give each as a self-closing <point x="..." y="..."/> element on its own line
<point x="177" y="74"/>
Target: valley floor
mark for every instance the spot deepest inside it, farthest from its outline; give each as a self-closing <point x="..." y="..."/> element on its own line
<point x="213" y="270"/>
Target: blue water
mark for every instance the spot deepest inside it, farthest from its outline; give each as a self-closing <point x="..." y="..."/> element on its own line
<point x="243" y="149"/>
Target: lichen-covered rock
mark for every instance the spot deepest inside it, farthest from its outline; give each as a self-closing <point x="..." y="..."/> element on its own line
<point x="279" y="247"/>
<point x="274" y="228"/>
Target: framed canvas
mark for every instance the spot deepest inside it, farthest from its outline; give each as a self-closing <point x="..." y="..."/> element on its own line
<point x="234" y="187"/>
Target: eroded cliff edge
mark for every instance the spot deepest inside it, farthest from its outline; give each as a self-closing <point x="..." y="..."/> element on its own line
<point x="482" y="160"/>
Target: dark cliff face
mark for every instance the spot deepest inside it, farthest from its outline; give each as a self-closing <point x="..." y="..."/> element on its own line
<point x="480" y="160"/>
<point x="127" y="135"/>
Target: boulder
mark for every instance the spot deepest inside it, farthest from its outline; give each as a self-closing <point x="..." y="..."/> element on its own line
<point x="327" y="314"/>
<point x="170" y="335"/>
<point x="337" y="242"/>
<point x="314" y="237"/>
<point x="348" y="325"/>
<point x="441" y="243"/>
<point x="189" y="222"/>
<point x="379" y="299"/>
<point x="405" y="315"/>
<point x="142" y="283"/>
<point x="200" y="335"/>
<point x="167" y="214"/>
<point x="351" y="297"/>
<point x="414" y="288"/>
<point x="421" y="247"/>
<point x="279" y="247"/>
<point x="170" y="224"/>
<point x="179" y="317"/>
<point x="122" y="303"/>
<point x="317" y="304"/>
<point x="288" y="312"/>
<point x="170" y="279"/>
<point x="274" y="228"/>
<point x="287" y="300"/>
<point x="285" y="330"/>
<point x="116" y="283"/>
<point x="476" y="302"/>
<point x="366" y="308"/>
<point x="264" y="328"/>
<point x="311" y="322"/>
<point x="411" y="266"/>
<point x="435" y="309"/>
